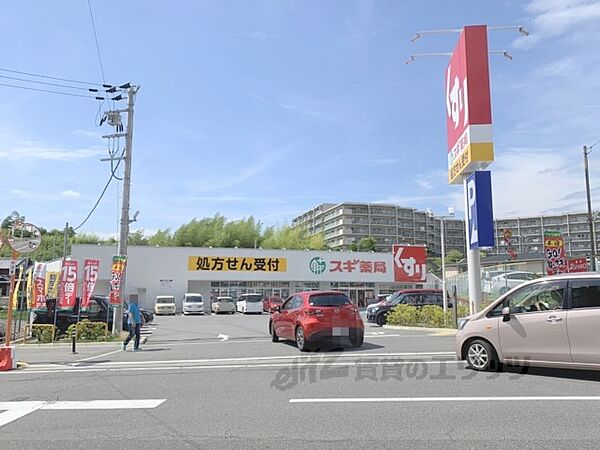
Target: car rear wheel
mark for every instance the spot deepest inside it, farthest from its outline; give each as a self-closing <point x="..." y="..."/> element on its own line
<point x="274" y="337"/>
<point x="481" y="356"/>
<point x="301" y="339"/>
<point x="381" y="319"/>
<point x="357" y="339"/>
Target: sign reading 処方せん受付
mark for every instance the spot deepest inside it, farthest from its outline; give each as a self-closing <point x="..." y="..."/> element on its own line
<point x="468" y="105"/>
<point x="237" y="264"/>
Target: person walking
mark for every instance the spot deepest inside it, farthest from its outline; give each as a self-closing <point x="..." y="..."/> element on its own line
<point x="134" y="320"/>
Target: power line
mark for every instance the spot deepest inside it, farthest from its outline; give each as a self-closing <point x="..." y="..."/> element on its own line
<point x="48" y="84"/>
<point x="50" y="91"/>
<point x="52" y="78"/>
<point x="112" y="175"/>
<point x="96" y="39"/>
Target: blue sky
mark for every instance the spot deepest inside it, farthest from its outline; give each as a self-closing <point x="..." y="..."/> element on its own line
<point x="268" y="108"/>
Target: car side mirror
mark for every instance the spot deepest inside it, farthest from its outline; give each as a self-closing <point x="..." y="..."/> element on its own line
<point x="505" y="314"/>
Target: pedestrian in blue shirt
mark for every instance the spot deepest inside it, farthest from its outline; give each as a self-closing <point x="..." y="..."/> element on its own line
<point x="134" y="321"/>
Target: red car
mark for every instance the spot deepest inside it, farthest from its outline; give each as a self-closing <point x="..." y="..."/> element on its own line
<point x="310" y="317"/>
<point x="269" y="303"/>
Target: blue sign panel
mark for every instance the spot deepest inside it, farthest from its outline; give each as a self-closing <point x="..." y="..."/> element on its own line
<point x="480" y="212"/>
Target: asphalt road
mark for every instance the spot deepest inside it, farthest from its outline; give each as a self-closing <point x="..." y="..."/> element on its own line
<point x="219" y="382"/>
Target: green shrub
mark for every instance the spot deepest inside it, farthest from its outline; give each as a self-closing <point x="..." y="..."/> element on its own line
<point x="87" y="331"/>
<point x="43" y="334"/>
<point x="427" y="316"/>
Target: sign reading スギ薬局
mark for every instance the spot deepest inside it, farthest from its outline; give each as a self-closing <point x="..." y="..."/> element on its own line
<point x="468" y="105"/>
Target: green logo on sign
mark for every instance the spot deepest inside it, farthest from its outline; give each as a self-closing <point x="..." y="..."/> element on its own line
<point x="317" y="265"/>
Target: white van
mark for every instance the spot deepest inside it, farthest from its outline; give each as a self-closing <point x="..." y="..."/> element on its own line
<point x="193" y="303"/>
<point x="164" y="304"/>
<point x="249" y="303"/>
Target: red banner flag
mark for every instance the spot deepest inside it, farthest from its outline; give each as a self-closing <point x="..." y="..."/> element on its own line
<point x="68" y="285"/>
<point x="90" y="276"/>
<point x="578" y="265"/>
<point x="116" y="274"/>
<point x="39" y="287"/>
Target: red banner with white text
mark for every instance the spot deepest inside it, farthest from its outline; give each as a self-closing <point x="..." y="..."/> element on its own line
<point x="67" y="295"/>
<point x="116" y="274"/>
<point x="90" y="276"/>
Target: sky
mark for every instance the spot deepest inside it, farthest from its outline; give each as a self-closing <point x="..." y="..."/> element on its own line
<point x="269" y="108"/>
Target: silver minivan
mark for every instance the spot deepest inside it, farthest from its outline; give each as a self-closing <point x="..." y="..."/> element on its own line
<point x="549" y="322"/>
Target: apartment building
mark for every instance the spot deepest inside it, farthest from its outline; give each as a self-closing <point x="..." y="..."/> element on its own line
<point x="528" y="232"/>
<point x="346" y="223"/>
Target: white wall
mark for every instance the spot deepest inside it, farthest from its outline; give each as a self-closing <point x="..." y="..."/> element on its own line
<point x="153" y="271"/>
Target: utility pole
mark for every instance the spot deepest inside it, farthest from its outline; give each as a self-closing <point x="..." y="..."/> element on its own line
<point x="115" y="120"/>
<point x="124" y="230"/>
<point x="586" y="152"/>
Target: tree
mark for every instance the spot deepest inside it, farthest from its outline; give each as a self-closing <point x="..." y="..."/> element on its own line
<point x="244" y="233"/>
<point x="367" y="244"/>
<point x="353" y="247"/>
<point x="11" y="219"/>
<point x="454" y="256"/>
<point x="294" y="238"/>
<point x="137" y="238"/>
<point x="162" y="238"/>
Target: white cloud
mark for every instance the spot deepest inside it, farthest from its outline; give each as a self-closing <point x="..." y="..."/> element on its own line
<point x="38" y="151"/>
<point x="87" y="134"/>
<point x="557" y="17"/>
<point x="538" y="181"/>
<point x="70" y="194"/>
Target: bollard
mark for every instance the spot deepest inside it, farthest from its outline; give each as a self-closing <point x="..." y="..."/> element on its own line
<point x="8" y="361"/>
<point x="74" y="341"/>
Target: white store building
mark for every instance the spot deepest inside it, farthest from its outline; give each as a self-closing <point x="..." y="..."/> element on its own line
<point x="213" y="272"/>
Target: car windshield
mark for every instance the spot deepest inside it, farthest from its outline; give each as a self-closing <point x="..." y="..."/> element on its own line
<point x="193" y="299"/>
<point x="329" y="300"/>
<point x="165" y="300"/>
<point x="252" y="298"/>
<point x="225" y="299"/>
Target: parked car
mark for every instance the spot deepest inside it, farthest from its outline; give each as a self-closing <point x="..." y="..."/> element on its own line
<point x="164" y="304"/>
<point x="193" y="304"/>
<point x="223" y="305"/>
<point x="412" y="297"/>
<point x="501" y="283"/>
<point x="550" y="322"/>
<point x="311" y="317"/>
<point x="249" y="303"/>
<point x="271" y="302"/>
<point x="99" y="310"/>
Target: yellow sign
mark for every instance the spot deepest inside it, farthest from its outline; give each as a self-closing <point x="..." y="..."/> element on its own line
<point x="237" y="264"/>
<point x="16" y="291"/>
<point x="475" y="156"/>
<point x="52" y="284"/>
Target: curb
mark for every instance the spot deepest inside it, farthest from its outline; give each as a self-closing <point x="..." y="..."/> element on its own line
<point x="68" y="344"/>
<point x="433" y="331"/>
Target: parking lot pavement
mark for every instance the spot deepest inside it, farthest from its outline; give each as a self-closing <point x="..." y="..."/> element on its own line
<point x="183" y="338"/>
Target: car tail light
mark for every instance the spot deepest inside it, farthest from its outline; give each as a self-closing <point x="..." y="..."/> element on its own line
<point x="314" y="312"/>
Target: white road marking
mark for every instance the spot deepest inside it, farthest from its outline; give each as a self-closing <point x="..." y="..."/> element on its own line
<point x="16" y="410"/>
<point x="223" y="337"/>
<point x="445" y="399"/>
<point x="226" y="366"/>
<point x="99" y="356"/>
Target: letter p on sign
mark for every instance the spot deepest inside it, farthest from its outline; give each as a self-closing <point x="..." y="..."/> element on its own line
<point x="480" y="216"/>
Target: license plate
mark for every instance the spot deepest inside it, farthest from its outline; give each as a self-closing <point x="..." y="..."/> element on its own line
<point x="338" y="331"/>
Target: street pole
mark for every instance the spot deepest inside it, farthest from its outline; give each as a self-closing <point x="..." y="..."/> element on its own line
<point x="13" y="270"/>
<point x="125" y="206"/>
<point x="444" y="296"/>
<point x="473" y="262"/>
<point x="589" y="207"/>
